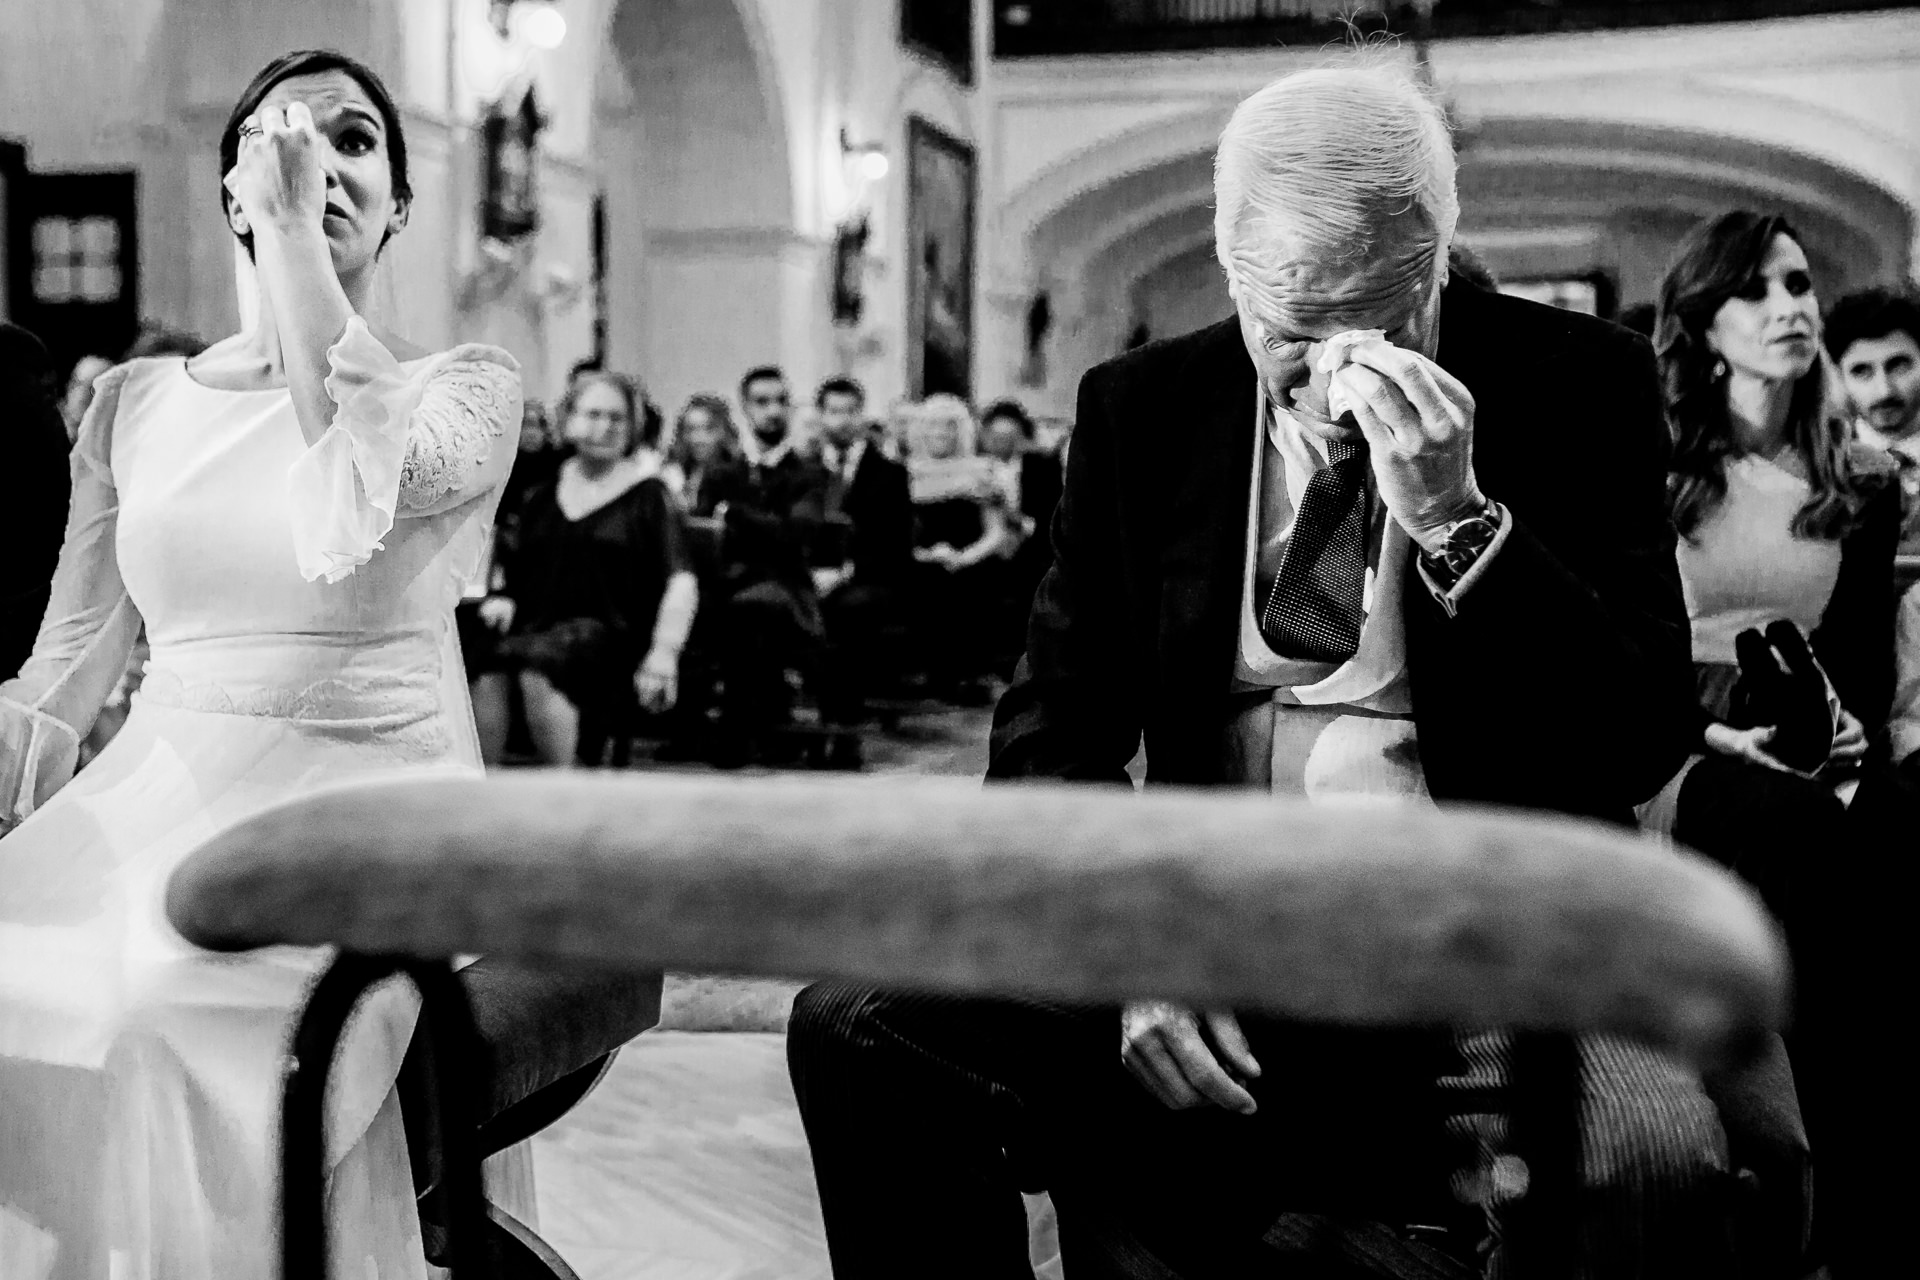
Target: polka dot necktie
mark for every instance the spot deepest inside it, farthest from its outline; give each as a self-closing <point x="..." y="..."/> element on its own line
<point x="1313" y="610"/>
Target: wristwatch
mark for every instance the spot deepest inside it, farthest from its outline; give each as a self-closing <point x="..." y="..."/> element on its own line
<point x="1466" y="540"/>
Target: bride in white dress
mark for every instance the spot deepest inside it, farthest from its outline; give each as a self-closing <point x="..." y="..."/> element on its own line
<point x="293" y="515"/>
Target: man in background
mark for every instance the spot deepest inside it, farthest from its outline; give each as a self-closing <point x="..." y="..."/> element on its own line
<point x="773" y="620"/>
<point x="1874" y="338"/>
<point x="861" y="565"/>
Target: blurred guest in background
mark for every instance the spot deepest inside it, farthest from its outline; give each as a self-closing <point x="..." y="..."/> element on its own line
<point x="1874" y="339"/>
<point x="1030" y="478"/>
<point x="860" y="583"/>
<point x="1780" y="517"/>
<point x="33" y="510"/>
<point x="772" y="621"/>
<point x="536" y="462"/>
<point x="597" y="594"/>
<point x="705" y="464"/>
<point x="966" y="532"/>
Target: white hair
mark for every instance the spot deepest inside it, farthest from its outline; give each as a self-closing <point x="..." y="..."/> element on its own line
<point x="1322" y="161"/>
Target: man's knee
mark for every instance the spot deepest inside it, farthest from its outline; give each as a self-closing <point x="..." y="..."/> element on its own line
<point x="827" y="1012"/>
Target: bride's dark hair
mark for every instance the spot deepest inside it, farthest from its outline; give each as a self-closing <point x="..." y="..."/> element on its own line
<point x="308" y="62"/>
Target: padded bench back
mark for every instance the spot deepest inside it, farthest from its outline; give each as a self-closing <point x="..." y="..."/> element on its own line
<point x="1364" y="915"/>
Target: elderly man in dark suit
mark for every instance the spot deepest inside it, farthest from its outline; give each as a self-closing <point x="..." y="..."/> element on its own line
<point x="1381" y="535"/>
<point x="33" y="508"/>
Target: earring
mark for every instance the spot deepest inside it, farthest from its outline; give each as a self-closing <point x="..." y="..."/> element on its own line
<point x="1719" y="370"/>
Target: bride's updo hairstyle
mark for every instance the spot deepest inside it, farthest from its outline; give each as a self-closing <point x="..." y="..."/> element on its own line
<point x="307" y="62"/>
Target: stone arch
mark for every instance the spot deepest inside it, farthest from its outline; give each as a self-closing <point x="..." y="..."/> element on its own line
<point x="1541" y="195"/>
<point x="691" y="135"/>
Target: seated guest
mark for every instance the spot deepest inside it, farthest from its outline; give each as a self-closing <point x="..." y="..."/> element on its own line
<point x="1874" y="339"/>
<point x="860" y="584"/>
<point x="536" y="462"/>
<point x="33" y="516"/>
<point x="772" y="620"/>
<point x="1312" y="594"/>
<point x="965" y="535"/>
<point x="597" y="595"/>
<point x="1031" y="479"/>
<point x="1781" y="518"/>
<point x="705" y="466"/>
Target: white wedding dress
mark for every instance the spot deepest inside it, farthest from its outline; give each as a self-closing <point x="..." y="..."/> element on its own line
<point x="298" y="602"/>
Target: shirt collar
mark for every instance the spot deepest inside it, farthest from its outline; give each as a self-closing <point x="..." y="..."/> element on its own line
<point x="770" y="457"/>
<point x="1287" y="432"/>
<point x="1906" y="446"/>
<point x="846" y="461"/>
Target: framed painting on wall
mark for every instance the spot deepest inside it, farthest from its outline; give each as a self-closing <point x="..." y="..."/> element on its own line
<point x="941" y="176"/>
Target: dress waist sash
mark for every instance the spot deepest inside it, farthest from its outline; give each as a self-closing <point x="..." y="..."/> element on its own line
<point x="375" y="680"/>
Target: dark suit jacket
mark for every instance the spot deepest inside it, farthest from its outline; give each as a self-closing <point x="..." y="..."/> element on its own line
<point x="879" y="502"/>
<point x="774" y="517"/>
<point x="33" y="510"/>
<point x="1564" y="682"/>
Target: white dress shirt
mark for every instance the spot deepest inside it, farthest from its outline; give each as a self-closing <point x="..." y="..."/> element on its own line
<point x="1333" y="729"/>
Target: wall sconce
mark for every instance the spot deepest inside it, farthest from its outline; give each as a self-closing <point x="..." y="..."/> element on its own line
<point x="865" y="164"/>
<point x="539" y="22"/>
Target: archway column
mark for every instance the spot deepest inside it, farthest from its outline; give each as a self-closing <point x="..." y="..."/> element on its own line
<point x="719" y="302"/>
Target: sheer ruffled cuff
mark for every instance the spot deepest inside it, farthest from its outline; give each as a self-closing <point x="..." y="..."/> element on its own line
<point x="38" y="753"/>
<point x="405" y="440"/>
<point x="342" y="492"/>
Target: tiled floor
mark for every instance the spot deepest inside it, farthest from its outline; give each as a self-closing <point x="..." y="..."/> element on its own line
<point x="688" y="1162"/>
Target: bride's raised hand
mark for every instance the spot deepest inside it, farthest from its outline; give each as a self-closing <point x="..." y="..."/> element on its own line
<point x="278" y="180"/>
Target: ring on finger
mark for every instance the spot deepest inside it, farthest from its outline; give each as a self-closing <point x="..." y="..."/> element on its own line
<point x="250" y="129"/>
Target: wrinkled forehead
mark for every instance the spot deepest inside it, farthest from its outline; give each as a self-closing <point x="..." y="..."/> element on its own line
<point x="1313" y="298"/>
<point x="326" y="93"/>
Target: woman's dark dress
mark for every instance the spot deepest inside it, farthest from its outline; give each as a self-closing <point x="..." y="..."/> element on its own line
<point x="586" y="592"/>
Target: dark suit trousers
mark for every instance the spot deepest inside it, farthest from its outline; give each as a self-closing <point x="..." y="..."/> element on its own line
<point x="855" y="651"/>
<point x="1840" y="882"/>
<point x="928" y="1115"/>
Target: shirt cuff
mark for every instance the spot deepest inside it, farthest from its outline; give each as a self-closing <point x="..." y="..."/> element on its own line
<point x="1449" y="600"/>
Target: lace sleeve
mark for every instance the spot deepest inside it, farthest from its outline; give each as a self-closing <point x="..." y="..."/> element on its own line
<point x="468" y="404"/>
<point x="406" y="440"/>
<point x="85" y="636"/>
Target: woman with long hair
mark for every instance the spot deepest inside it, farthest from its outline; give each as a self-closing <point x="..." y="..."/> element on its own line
<point x="1787" y="533"/>
<point x="597" y="593"/>
<point x="705" y="464"/>
<point x="292" y="514"/>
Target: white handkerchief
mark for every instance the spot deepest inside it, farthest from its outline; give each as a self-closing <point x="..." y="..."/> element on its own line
<point x="1335" y="356"/>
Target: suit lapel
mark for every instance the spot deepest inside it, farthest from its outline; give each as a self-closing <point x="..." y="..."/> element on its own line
<point x="1205" y="550"/>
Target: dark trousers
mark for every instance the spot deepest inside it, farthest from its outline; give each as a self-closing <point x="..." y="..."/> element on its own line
<point x="958" y="614"/>
<point x="927" y="1116"/>
<point x="1839" y="882"/>
<point x="855" y="651"/>
<point x="767" y="627"/>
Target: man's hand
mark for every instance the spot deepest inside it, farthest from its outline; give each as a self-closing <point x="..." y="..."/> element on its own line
<point x="278" y="181"/>
<point x="1747" y="744"/>
<point x="1418" y="422"/>
<point x="1849" y="740"/>
<point x="1172" y="1053"/>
